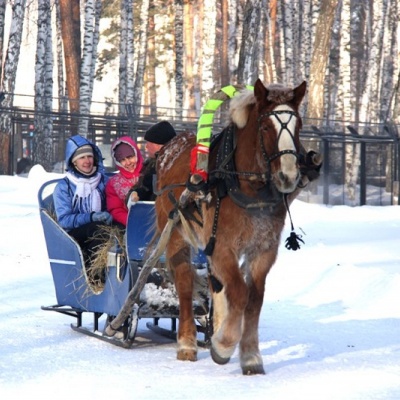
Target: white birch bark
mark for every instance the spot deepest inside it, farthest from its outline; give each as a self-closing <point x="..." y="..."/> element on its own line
<point x="390" y="61"/>
<point x="62" y="98"/>
<point x="344" y="109"/>
<point x="43" y="154"/>
<point x="305" y="43"/>
<point x="210" y="12"/>
<point x="287" y="43"/>
<point x="142" y="54"/>
<point x="2" y="23"/>
<point x="370" y="98"/>
<point x="122" y="81"/>
<point x="11" y="62"/>
<point x="89" y="56"/>
<point x="282" y="47"/>
<point x="179" y="95"/>
<point x="247" y="69"/>
<point x="130" y="54"/>
<point x="234" y="30"/>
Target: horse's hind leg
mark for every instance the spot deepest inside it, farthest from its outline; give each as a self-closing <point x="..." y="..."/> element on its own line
<point x="178" y="254"/>
<point x="250" y="356"/>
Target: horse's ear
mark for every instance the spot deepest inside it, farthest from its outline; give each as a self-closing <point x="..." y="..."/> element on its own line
<point x="260" y="92"/>
<point x="299" y="92"/>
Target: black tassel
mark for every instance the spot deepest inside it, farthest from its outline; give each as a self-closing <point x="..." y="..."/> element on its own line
<point x="292" y="242"/>
<point x="210" y="247"/>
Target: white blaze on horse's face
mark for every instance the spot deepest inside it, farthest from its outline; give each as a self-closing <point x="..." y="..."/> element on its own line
<point x="288" y="177"/>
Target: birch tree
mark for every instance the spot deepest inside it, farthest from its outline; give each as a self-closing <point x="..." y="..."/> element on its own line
<point x="390" y="60"/>
<point x="142" y="54"/>
<point x="234" y="36"/>
<point x="179" y="72"/>
<point x="126" y="56"/>
<point x="62" y="100"/>
<point x="188" y="33"/>
<point x="247" y="69"/>
<point x="198" y="55"/>
<point x="287" y="42"/>
<point x="8" y="81"/>
<point x="150" y="86"/>
<point x="90" y="42"/>
<point x="2" y="23"/>
<point x="208" y="35"/>
<point x="43" y="154"/>
<point x="368" y="110"/>
<point x="319" y="60"/>
<point x="345" y="104"/>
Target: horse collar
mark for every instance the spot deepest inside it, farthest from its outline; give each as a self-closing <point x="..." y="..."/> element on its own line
<point x="227" y="182"/>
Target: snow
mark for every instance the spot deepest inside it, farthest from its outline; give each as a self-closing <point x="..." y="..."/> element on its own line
<point x="329" y="327"/>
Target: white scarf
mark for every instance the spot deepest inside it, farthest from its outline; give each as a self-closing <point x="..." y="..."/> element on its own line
<point x="86" y="192"/>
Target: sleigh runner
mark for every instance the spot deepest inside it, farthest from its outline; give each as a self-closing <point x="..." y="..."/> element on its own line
<point x="77" y="296"/>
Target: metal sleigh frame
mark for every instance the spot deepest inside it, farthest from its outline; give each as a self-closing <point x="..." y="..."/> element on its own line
<point x="76" y="297"/>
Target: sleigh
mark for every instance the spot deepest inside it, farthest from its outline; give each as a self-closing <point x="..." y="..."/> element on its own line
<point x="94" y="309"/>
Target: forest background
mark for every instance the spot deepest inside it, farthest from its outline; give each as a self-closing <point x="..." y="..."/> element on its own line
<point x="176" y="53"/>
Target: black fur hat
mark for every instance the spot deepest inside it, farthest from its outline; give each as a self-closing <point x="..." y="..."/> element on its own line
<point x="160" y="133"/>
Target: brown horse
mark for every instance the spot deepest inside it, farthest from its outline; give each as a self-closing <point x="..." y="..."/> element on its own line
<point x="254" y="164"/>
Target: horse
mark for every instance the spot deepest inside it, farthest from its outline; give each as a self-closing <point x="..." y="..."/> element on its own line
<point x="254" y="175"/>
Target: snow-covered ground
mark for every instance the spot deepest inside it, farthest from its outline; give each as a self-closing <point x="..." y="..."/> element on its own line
<point x="330" y="325"/>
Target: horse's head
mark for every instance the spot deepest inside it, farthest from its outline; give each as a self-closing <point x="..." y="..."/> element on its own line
<point x="275" y="119"/>
<point x="279" y="125"/>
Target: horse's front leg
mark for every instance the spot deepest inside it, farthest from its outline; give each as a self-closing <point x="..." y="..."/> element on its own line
<point x="250" y="356"/>
<point x="229" y="302"/>
<point x="178" y="255"/>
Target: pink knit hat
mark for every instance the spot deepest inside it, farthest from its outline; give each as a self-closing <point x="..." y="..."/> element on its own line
<point x="124" y="150"/>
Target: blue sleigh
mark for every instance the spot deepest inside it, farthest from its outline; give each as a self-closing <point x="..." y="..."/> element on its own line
<point x="77" y="297"/>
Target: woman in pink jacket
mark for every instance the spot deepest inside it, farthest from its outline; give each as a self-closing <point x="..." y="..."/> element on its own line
<point x="129" y="161"/>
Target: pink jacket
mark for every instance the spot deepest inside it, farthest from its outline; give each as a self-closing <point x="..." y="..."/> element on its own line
<point x="119" y="184"/>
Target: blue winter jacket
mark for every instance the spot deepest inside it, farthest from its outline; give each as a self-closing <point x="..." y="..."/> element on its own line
<point x="70" y="217"/>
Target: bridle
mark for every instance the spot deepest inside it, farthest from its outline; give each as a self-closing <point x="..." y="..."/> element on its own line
<point x="284" y="127"/>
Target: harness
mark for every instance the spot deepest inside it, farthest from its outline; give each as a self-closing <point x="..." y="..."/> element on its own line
<point x="226" y="178"/>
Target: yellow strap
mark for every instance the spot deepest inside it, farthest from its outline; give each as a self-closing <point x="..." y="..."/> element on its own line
<point x="205" y="123"/>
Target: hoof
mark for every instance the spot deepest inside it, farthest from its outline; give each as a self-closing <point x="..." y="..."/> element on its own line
<point x="217" y="358"/>
<point x="253" y="370"/>
<point x="187" y="355"/>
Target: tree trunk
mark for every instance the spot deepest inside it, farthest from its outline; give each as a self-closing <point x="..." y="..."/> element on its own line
<point x="319" y="60"/>
<point x="9" y="75"/>
<point x="188" y="51"/>
<point x="62" y="101"/>
<point x="208" y="51"/>
<point x="225" y="78"/>
<point x="2" y="23"/>
<point x="71" y="34"/>
<point x="142" y="55"/>
<point x="43" y="153"/>
<point x="179" y="57"/>
<point x="90" y="40"/>
<point x="247" y="70"/>
<point x="150" y="84"/>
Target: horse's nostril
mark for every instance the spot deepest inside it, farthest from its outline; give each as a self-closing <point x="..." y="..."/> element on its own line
<point x="282" y="176"/>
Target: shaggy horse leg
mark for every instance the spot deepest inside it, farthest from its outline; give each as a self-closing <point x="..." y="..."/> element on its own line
<point x="229" y="306"/>
<point x="250" y="356"/>
<point x="178" y="254"/>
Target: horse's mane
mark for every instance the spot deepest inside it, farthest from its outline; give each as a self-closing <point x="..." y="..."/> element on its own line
<point x="239" y="107"/>
<point x="239" y="104"/>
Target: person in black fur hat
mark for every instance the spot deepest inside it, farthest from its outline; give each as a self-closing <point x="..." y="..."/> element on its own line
<point x="156" y="137"/>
